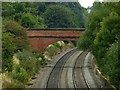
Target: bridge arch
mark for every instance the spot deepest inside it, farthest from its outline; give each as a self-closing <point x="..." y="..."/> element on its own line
<point x="41" y="38"/>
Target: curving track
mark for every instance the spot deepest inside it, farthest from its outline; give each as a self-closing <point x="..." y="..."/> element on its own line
<point x="55" y="73"/>
<point x="71" y="71"/>
<point x="75" y="69"/>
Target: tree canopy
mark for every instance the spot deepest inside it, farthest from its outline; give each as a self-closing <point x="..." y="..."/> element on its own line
<point x="102" y="37"/>
<point x="57" y="16"/>
<point x="45" y="15"/>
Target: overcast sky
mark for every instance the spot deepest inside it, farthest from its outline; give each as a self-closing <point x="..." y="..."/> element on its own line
<point x="86" y="3"/>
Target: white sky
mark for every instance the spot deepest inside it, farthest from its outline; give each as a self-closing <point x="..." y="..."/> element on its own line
<point x="86" y="3"/>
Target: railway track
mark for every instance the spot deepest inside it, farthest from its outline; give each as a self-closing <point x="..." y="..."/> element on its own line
<point x="55" y="73"/>
<point x="74" y="69"/>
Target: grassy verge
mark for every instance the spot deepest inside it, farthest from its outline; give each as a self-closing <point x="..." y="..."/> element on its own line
<point x="26" y="64"/>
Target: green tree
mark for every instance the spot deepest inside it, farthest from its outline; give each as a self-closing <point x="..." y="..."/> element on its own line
<point x="8" y="48"/>
<point x="58" y="16"/>
<point x="101" y="38"/>
<point x="78" y="10"/>
<point x="8" y="10"/>
<point x="112" y="63"/>
<point x="108" y="33"/>
<point x="99" y="11"/>
<point x="28" y="20"/>
<point x="19" y="34"/>
<point x="41" y="7"/>
<point x="92" y="27"/>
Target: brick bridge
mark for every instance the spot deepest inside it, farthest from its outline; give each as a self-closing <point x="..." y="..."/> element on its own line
<point x="41" y="38"/>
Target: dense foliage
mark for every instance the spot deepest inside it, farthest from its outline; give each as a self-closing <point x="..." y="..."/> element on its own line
<point x="79" y="11"/>
<point x="18" y="33"/>
<point x="19" y="63"/>
<point x="58" y="16"/>
<point x="17" y="60"/>
<point x="28" y="20"/>
<point x="45" y="15"/>
<point x="8" y="48"/>
<point x="102" y="37"/>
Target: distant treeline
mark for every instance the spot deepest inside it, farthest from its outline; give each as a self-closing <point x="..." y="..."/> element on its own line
<point x="45" y="15"/>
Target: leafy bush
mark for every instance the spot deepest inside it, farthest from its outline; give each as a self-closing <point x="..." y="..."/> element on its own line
<point x="18" y="32"/>
<point x="9" y="83"/>
<point x="17" y="85"/>
<point x="30" y="65"/>
<point x="20" y="74"/>
<point x="40" y="57"/>
<point x="85" y="41"/>
<point x="38" y="54"/>
<point x="28" y="20"/>
<point x="8" y="48"/>
<point x="29" y="61"/>
<point x="52" y="50"/>
<point x="24" y="55"/>
<point x="14" y="28"/>
<point x="57" y="45"/>
<point x="108" y="33"/>
<point x="27" y="67"/>
<point x="111" y="64"/>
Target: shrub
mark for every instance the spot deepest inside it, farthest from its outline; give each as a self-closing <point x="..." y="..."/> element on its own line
<point x="40" y="57"/>
<point x="20" y="74"/>
<point x="107" y="35"/>
<point x="19" y="34"/>
<point x="84" y="42"/>
<point x="111" y="64"/>
<point x="52" y="50"/>
<point x="28" y="20"/>
<point x="38" y="54"/>
<point x="24" y="55"/>
<point x="9" y="83"/>
<point x="57" y="45"/>
<point x="8" y="48"/>
<point x="30" y="66"/>
<point x="29" y="61"/>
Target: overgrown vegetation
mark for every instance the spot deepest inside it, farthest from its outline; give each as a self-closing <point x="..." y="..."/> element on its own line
<point x="102" y="38"/>
<point x="56" y="48"/>
<point x="19" y="64"/>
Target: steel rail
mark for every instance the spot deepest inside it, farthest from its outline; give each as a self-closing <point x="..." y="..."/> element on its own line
<point x="78" y="77"/>
<point x="54" y="75"/>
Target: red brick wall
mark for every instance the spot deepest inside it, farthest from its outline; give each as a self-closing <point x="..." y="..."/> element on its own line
<point x="41" y="43"/>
